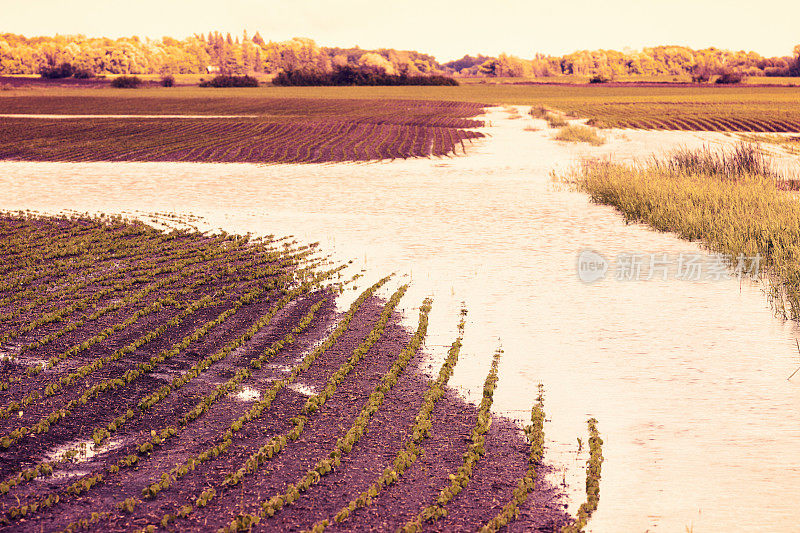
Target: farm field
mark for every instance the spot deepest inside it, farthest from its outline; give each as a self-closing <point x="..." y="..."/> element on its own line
<point x="319" y="124"/>
<point x="158" y="379"/>
<point x="261" y="130"/>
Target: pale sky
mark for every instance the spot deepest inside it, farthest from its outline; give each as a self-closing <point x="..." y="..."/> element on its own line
<point x="446" y="29"/>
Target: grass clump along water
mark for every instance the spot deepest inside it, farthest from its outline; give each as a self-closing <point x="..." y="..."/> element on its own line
<point x="555" y="119"/>
<point x="579" y="134"/>
<point x="730" y="200"/>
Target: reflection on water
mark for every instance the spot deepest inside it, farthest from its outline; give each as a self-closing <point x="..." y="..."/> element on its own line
<point x="687" y="379"/>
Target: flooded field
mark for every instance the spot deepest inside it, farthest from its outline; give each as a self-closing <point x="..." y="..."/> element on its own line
<point x="686" y="378"/>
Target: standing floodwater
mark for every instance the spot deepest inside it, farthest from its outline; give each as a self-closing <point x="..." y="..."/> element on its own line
<point x="686" y="378"/>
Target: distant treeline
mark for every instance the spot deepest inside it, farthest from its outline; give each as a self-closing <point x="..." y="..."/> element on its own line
<point x="249" y="55"/>
<point x="356" y="76"/>
<point x="609" y="64"/>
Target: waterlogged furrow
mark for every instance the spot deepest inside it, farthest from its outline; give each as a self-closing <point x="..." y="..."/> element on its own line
<point x="476" y="450"/>
<point x="345" y="444"/>
<point x="535" y="435"/>
<point x="412" y="448"/>
<point x="593" y="470"/>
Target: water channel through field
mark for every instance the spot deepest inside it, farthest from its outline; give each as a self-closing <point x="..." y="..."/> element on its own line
<point x="687" y="378"/>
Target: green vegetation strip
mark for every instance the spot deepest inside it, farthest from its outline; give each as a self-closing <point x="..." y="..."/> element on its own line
<point x="593" y="470"/>
<point x="476" y="450"/>
<point x="345" y="444"/>
<point x="535" y="435"/>
<point x="576" y="133"/>
<point x="412" y="449"/>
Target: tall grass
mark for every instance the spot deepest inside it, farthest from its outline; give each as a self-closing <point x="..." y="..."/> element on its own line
<point x="555" y="120"/>
<point x="728" y="200"/>
<point x="744" y="159"/>
<point x="578" y="133"/>
<point x="539" y="111"/>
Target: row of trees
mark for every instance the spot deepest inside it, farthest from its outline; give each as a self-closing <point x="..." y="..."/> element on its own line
<point x="242" y="55"/>
<point x="194" y="55"/>
<point x="608" y="64"/>
<point x="357" y="76"/>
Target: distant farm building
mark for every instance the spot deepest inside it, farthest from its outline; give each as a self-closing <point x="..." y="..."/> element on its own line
<point x="212" y="69"/>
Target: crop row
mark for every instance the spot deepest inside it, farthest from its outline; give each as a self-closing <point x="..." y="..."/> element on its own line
<point x="473" y="454"/>
<point x="225" y="140"/>
<point x="53" y="243"/>
<point x="126" y="299"/>
<point x="93" y="264"/>
<point x="97" y="243"/>
<point x="82" y="372"/>
<point x="593" y="469"/>
<point x="443" y="113"/>
<point x="181" y="274"/>
<point x="277" y="444"/>
<point x="101" y="434"/>
<point x="687" y="117"/>
<point x="92" y="251"/>
<point x="344" y="444"/>
<point x="534" y="432"/>
<point x="47" y="421"/>
<point x="411" y="449"/>
<point x="224" y="440"/>
<point x="129" y="504"/>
